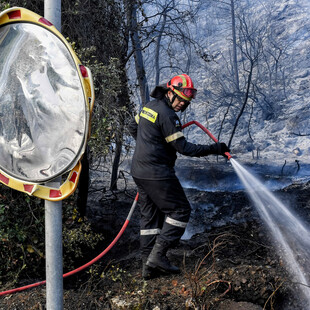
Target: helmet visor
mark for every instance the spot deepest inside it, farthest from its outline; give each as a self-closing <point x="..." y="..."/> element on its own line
<point x="190" y="92"/>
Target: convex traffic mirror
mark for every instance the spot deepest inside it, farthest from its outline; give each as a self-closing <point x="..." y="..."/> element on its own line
<point x="46" y="97"/>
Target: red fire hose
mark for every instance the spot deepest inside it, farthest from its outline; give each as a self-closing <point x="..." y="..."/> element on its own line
<point x="207" y="132"/>
<point x="19" y="289"/>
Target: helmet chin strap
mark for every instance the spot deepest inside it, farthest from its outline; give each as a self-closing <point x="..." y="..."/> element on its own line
<point x="170" y="102"/>
<point x="184" y="107"/>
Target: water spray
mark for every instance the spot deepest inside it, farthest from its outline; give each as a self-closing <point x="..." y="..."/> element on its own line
<point x="290" y="234"/>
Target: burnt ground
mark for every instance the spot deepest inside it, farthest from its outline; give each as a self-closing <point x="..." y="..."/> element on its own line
<point x="231" y="265"/>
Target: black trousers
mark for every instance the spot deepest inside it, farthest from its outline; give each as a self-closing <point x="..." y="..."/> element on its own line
<point x="165" y="212"/>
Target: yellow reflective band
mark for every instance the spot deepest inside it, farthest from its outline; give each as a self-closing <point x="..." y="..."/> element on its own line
<point x="184" y="84"/>
<point x="181" y="95"/>
<point x="137" y="118"/>
<point x="174" y="136"/>
<point x="149" y="114"/>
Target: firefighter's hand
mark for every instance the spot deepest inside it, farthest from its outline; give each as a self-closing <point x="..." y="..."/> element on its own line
<point x="222" y="149"/>
<point x="216" y="149"/>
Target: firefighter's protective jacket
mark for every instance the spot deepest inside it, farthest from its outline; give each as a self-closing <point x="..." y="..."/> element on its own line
<point x="158" y="138"/>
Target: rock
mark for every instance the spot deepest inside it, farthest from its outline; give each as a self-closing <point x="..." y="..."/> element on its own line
<point x="232" y="305"/>
<point x="119" y="302"/>
<point x="297" y="151"/>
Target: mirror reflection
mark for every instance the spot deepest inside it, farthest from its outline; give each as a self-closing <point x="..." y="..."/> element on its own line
<point x="43" y="114"/>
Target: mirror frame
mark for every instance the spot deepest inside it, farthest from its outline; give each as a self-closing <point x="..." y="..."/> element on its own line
<point x="19" y="15"/>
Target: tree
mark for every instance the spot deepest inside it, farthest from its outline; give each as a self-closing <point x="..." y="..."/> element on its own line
<point x="239" y="83"/>
<point x="234" y="47"/>
<point x="132" y="7"/>
<point x="101" y="33"/>
<point x="161" y="30"/>
<point x="251" y="46"/>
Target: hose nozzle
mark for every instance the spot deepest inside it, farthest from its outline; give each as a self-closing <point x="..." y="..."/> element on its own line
<point x="228" y="155"/>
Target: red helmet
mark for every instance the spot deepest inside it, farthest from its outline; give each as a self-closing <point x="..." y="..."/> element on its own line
<point x="183" y="86"/>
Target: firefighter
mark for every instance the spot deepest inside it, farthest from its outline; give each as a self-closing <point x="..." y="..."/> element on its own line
<point x="164" y="207"/>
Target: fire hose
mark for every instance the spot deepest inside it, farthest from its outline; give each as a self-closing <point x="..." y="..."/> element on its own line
<point x="207" y="132"/>
<point x="19" y="289"/>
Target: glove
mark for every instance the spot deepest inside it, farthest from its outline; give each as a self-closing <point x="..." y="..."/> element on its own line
<point x="222" y="149"/>
<point x="219" y="149"/>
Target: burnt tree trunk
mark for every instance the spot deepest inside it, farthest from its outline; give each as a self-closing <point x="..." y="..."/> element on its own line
<point x="245" y="101"/>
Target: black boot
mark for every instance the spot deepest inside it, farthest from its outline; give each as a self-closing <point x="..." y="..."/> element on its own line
<point x="148" y="272"/>
<point x="158" y="259"/>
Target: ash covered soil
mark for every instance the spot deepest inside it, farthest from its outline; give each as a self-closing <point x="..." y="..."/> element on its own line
<point x="230" y="265"/>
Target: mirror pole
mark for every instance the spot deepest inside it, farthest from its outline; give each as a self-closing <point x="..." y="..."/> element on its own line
<point x="53" y="210"/>
<point x="53" y="251"/>
<point x="52" y="12"/>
